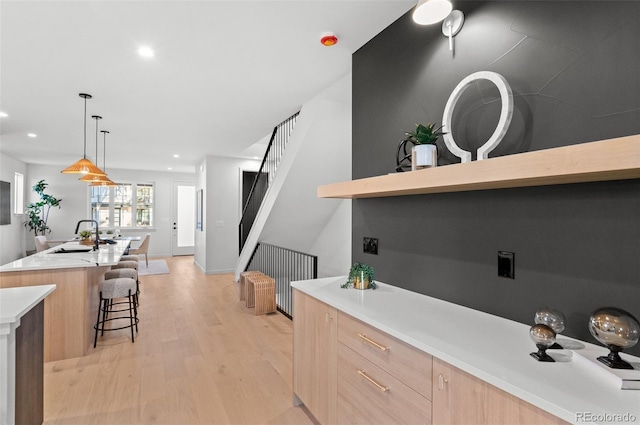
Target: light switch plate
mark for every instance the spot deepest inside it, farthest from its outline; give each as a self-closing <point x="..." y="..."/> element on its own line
<point x="506" y="264"/>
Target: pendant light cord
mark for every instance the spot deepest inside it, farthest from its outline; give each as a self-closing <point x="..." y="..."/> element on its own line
<point x="97" y="139"/>
<point x="104" y="150"/>
<point x="85" y="128"/>
<point x="96" y="117"/>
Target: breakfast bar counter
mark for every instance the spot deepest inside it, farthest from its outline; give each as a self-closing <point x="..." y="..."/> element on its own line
<point x="69" y="312"/>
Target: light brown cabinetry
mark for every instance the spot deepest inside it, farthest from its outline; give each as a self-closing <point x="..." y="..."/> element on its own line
<point x="346" y="371"/>
<point x="381" y="380"/>
<point x="459" y="398"/>
<point x="315" y="356"/>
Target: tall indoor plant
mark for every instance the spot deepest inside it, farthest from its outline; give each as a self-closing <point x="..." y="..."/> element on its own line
<point x="38" y="212"/>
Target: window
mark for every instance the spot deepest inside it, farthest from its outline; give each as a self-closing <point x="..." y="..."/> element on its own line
<point x="18" y="194"/>
<point x="114" y="207"/>
<point x="144" y="205"/>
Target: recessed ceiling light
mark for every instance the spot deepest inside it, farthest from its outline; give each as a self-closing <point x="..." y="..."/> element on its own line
<point x="145" y="52"/>
<point x="175" y="155"/>
<point x="3" y="114"/>
<point x="32" y="135"/>
<point x="169" y="168"/>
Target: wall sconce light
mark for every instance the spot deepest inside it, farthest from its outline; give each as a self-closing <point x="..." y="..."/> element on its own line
<point x="429" y="12"/>
<point x="452" y="25"/>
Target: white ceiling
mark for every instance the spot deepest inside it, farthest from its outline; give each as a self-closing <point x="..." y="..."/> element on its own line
<point x="224" y="74"/>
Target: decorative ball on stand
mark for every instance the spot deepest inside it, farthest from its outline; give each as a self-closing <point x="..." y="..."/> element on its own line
<point x="552" y="318"/>
<point x="616" y="329"/>
<point x="544" y="337"/>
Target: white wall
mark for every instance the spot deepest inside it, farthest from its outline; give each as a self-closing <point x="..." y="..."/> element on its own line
<point x="321" y="154"/>
<point x="217" y="246"/>
<point x="75" y="202"/>
<point x="333" y="244"/>
<point x="200" y="247"/>
<point x="12" y="235"/>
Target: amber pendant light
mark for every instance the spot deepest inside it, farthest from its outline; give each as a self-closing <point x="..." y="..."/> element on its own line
<point x="84" y="166"/>
<point x="103" y="180"/>
<point x="90" y="178"/>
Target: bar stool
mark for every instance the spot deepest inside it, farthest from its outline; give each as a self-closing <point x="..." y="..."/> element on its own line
<point x="132" y="264"/>
<point x="110" y="290"/>
<point x="130" y="258"/>
<point x="123" y="273"/>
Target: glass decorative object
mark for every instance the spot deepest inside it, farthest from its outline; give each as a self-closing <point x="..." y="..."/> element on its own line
<point x="552" y="318"/>
<point x="616" y="329"/>
<point x="544" y="337"/>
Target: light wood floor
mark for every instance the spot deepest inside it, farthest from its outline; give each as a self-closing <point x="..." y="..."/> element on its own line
<point x="200" y="357"/>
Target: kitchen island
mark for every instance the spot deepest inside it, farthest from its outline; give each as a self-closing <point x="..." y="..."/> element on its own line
<point x="69" y="312"/>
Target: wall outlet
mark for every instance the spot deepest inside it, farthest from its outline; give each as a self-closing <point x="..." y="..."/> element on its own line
<point x="370" y="246"/>
<point x="506" y="264"/>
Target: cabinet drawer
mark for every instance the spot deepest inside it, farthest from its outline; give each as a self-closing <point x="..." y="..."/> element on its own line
<point x="369" y="395"/>
<point x="404" y="362"/>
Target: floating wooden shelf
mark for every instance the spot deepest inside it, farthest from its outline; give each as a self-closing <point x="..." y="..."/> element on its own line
<point x="612" y="159"/>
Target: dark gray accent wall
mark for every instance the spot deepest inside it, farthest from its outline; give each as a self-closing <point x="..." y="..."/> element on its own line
<point x="574" y="69"/>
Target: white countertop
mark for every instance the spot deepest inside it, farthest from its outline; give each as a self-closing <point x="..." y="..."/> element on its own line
<point x="489" y="347"/>
<point x="107" y="255"/>
<point x="16" y="302"/>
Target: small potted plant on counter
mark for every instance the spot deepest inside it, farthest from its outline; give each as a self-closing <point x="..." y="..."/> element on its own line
<point x="85" y="237"/>
<point x="361" y="276"/>
<point x="419" y="147"/>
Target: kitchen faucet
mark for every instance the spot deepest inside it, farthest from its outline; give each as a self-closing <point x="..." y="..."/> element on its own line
<point x="97" y="240"/>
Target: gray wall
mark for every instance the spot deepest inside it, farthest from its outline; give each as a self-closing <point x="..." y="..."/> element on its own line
<point x="574" y="68"/>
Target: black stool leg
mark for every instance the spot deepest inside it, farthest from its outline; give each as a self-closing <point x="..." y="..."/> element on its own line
<point x="105" y="313"/>
<point x="95" y="338"/>
<point x="135" y="311"/>
<point x="131" y="315"/>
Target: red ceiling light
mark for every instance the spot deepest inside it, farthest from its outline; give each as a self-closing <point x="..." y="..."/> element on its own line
<point x="328" y="39"/>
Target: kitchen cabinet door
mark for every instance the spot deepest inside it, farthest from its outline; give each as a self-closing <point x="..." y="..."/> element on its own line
<point x="459" y="398"/>
<point x="315" y="356"/>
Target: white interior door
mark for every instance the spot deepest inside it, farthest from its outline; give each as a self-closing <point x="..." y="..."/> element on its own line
<point x="184" y="218"/>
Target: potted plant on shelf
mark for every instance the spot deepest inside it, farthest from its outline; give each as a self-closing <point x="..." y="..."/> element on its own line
<point x="38" y="212"/>
<point x="419" y="147"/>
<point x="85" y="237"/>
<point x="361" y="276"/>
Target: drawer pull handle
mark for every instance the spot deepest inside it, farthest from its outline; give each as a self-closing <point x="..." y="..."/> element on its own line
<point x="375" y="344"/>
<point x="441" y="381"/>
<point x="380" y="387"/>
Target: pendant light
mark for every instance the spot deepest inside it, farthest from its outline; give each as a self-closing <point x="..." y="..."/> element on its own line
<point x="84" y="166"/>
<point x="90" y="178"/>
<point x="104" y="180"/>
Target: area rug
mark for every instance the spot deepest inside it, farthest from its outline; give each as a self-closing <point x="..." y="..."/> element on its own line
<point x="155" y="267"/>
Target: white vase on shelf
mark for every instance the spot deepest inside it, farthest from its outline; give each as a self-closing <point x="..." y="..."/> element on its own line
<point x="424" y="156"/>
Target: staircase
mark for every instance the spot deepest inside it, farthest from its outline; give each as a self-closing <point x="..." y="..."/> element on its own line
<point x="311" y="148"/>
<point x="275" y="149"/>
